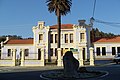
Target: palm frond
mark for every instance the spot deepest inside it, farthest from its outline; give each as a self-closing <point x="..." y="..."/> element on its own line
<point x="62" y="5"/>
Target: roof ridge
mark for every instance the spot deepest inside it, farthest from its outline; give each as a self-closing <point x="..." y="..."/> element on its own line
<point x="63" y="26"/>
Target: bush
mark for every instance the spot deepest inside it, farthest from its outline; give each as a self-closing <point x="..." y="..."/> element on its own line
<point x="82" y="69"/>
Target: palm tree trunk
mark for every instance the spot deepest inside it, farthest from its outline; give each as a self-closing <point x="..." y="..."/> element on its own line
<point x="59" y="30"/>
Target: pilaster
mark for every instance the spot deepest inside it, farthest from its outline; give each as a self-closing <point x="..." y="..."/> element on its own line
<point x="14" y="57"/>
<point x="81" y="56"/>
<point x="59" y="61"/>
<point x="42" y="57"/>
<point x="47" y="41"/>
<point x="91" y="56"/>
<point x="22" y="57"/>
<point x="68" y="37"/>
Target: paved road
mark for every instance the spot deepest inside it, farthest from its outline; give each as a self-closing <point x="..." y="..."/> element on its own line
<point x="33" y="73"/>
<point x="113" y="70"/>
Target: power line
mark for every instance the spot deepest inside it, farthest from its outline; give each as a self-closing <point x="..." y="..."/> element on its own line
<point x="92" y="19"/>
<point x="113" y="24"/>
<point x="94" y="8"/>
<point x="106" y="22"/>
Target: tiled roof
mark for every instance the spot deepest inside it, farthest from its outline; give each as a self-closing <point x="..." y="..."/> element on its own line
<point x="112" y="39"/>
<point x="20" y="41"/>
<point x="63" y="26"/>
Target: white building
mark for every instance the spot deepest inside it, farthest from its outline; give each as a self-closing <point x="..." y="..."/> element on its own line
<point x="106" y="48"/>
<point x="43" y="47"/>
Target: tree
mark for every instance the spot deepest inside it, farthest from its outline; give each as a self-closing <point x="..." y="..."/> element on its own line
<point x="3" y="38"/>
<point x="96" y="34"/>
<point x="60" y="7"/>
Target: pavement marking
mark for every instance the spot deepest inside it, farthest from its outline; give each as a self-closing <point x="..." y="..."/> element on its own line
<point x="44" y="78"/>
<point x="105" y="74"/>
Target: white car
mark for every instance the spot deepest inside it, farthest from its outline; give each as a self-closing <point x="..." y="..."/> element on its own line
<point x="117" y="58"/>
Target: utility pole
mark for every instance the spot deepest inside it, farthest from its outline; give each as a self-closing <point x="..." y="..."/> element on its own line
<point x="92" y="32"/>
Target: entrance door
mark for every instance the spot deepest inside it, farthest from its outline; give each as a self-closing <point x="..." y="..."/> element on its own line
<point x="83" y="53"/>
<point x="39" y="54"/>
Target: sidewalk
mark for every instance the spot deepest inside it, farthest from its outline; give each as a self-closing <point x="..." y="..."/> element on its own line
<point x="22" y="69"/>
<point x="103" y="62"/>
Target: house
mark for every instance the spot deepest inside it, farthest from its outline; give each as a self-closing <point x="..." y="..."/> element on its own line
<point x="107" y="48"/>
<point x="43" y="47"/>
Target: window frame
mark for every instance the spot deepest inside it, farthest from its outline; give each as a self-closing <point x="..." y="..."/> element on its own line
<point x="82" y="37"/>
<point x="56" y="37"/>
<point x="40" y="38"/>
<point x="66" y="38"/>
<point x="51" y="51"/>
<point x="51" y="38"/>
<point x="98" y="51"/>
<point x="9" y="51"/>
<point x="26" y="52"/>
<point x="113" y="50"/>
<point x="103" y="51"/>
<point x="71" y="38"/>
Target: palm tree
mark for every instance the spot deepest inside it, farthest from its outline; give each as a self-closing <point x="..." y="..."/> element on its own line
<point x="60" y="7"/>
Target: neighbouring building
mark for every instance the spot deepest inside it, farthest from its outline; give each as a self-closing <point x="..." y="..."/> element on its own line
<point x="43" y="47"/>
<point x="107" y="48"/>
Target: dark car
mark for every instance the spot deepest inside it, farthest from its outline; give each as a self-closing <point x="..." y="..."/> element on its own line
<point x="117" y="58"/>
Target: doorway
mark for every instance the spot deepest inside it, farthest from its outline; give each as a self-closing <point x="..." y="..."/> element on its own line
<point x="39" y="54"/>
<point x="18" y="58"/>
<point x="83" y="53"/>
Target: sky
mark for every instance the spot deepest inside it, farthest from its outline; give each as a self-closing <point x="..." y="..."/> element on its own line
<point x="17" y="17"/>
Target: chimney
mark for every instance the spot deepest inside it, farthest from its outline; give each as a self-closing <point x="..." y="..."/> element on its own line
<point x="81" y="22"/>
<point x="1" y="44"/>
<point x="7" y="38"/>
<point x="41" y="24"/>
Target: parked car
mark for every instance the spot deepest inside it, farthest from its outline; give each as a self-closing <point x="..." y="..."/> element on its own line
<point x="117" y="58"/>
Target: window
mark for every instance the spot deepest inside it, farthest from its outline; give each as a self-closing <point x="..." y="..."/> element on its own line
<point x="83" y="53"/>
<point x="51" y="38"/>
<point x="61" y="51"/>
<point x="71" y="49"/>
<point x="71" y="38"/>
<point x="40" y="37"/>
<point x="51" y="52"/>
<point x="0" y="53"/>
<point x="9" y="52"/>
<point x="39" y="54"/>
<point x="56" y="52"/>
<point x="118" y="49"/>
<point x="56" y="38"/>
<point x="103" y="51"/>
<point x="66" y="38"/>
<point x="82" y="36"/>
<point x="113" y="51"/>
<point x="98" y="51"/>
<point x="40" y="25"/>
<point x="26" y="52"/>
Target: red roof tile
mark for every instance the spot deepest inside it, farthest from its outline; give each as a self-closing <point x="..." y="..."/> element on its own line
<point x="20" y="41"/>
<point x="113" y="39"/>
<point x="63" y="26"/>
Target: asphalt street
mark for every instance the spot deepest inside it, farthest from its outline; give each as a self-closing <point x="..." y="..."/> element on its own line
<point x="33" y="73"/>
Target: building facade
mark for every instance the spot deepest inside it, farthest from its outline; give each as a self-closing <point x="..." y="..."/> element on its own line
<point x="43" y="47"/>
<point x="106" y="48"/>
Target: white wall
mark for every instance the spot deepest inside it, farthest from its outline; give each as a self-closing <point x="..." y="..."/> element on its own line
<point x="108" y="49"/>
<point x="32" y="51"/>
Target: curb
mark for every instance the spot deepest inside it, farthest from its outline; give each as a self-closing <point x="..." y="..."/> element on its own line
<point x="104" y="73"/>
<point x="104" y="64"/>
